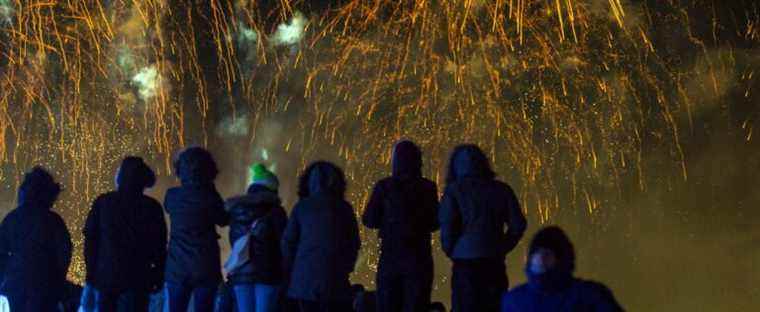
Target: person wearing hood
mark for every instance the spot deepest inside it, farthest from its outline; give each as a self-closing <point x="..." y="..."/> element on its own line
<point x="551" y="285"/>
<point x="35" y="247"/>
<point x="321" y="241"/>
<point x="125" y="241"/>
<point x="260" y="213"/>
<point x="195" y="208"/>
<point x="404" y="207"/>
<point x="474" y="212"/>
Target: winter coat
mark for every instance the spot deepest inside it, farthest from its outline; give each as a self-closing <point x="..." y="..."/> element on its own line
<point x="577" y="296"/>
<point x="194" y="257"/>
<point x="321" y="242"/>
<point x="35" y="251"/>
<point x="125" y="242"/>
<point x="474" y="211"/>
<point x="405" y="210"/>
<point x="265" y="264"/>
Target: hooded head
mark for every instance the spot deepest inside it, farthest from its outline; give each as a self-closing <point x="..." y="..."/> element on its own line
<point x="406" y="160"/>
<point x="322" y="177"/>
<point x="38" y="189"/>
<point x="261" y="176"/>
<point x="134" y="175"/>
<point x="195" y="165"/>
<point x="551" y="259"/>
<point x="468" y="161"/>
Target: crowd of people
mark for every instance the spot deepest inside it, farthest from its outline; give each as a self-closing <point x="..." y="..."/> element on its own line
<point x="299" y="262"/>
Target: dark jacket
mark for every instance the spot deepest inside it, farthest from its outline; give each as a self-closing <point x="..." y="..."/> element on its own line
<point x="194" y="210"/>
<point x="266" y="259"/>
<point x="35" y="245"/>
<point x="125" y="242"/>
<point x="321" y="242"/>
<point x="577" y="296"/>
<point x="555" y="288"/>
<point x="474" y="210"/>
<point x="404" y="207"/>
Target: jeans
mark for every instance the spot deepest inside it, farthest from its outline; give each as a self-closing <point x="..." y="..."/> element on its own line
<point x="256" y="297"/>
<point x="178" y="298"/>
<point x="477" y="285"/>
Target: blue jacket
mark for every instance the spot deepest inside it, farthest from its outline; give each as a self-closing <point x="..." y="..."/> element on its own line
<point x="194" y="257"/>
<point x="577" y="296"/>
<point x="473" y="214"/>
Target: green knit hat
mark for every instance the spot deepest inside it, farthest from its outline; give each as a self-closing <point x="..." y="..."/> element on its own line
<point x="261" y="176"/>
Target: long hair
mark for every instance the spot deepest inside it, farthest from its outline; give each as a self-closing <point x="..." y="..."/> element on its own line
<point x="468" y="160"/>
<point x="195" y="165"/>
<point x="328" y="175"/>
<point x="134" y="174"/>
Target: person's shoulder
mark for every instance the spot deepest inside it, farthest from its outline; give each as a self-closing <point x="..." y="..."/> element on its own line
<point x="595" y="290"/>
<point x="428" y="184"/>
<point x="514" y="295"/>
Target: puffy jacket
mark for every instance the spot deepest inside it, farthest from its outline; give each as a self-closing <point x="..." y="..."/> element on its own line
<point x="265" y="264"/>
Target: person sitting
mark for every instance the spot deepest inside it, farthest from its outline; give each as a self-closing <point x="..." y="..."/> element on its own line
<point x="551" y="285"/>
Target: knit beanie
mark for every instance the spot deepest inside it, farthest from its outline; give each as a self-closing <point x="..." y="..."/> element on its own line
<point x="260" y="175"/>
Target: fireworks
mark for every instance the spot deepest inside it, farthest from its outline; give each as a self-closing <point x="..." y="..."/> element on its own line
<point x="567" y="96"/>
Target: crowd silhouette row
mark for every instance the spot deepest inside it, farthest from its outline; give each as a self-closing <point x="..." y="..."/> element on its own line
<point x="299" y="262"/>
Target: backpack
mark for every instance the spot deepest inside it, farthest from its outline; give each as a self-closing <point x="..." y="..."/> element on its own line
<point x="242" y="248"/>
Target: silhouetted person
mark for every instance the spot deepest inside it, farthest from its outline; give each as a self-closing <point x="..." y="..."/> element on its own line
<point x="437" y="307"/>
<point x="363" y="300"/>
<point x="321" y="242"/>
<point x="551" y="285"/>
<point x="125" y="241"/>
<point x="35" y="247"/>
<point x="193" y="266"/>
<point x="474" y="211"/>
<point x="259" y="213"/>
<point x="404" y="207"/>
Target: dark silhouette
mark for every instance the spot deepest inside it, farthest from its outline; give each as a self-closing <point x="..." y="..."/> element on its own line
<point x="404" y="207"/>
<point x="474" y="210"/>
<point x="193" y="267"/>
<point x="321" y="242"/>
<point x="125" y="241"/>
<point x="437" y="307"/>
<point x="551" y="285"/>
<point x="35" y="247"/>
<point x="363" y="300"/>
<point x="260" y="214"/>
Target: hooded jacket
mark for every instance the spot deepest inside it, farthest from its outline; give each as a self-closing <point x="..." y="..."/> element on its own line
<point x="557" y="289"/>
<point x="404" y="208"/>
<point x="475" y="208"/>
<point x="35" y="245"/>
<point x="266" y="259"/>
<point x="321" y="241"/>
<point x="125" y="242"/>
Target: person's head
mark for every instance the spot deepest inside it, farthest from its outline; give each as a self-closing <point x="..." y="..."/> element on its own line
<point x="406" y="160"/>
<point x="550" y="253"/>
<point x="195" y="165"/>
<point x="262" y="177"/>
<point x="134" y="175"/>
<point x="468" y="160"/>
<point x="437" y="307"/>
<point x="322" y="177"/>
<point x="39" y="189"/>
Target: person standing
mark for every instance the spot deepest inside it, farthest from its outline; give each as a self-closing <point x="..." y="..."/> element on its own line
<point x="258" y="214"/>
<point x="35" y="247"/>
<point x="125" y="241"/>
<point x="404" y="207"/>
<point x="474" y="212"/>
<point x="193" y="266"/>
<point x="551" y="285"/>
<point x="321" y="242"/>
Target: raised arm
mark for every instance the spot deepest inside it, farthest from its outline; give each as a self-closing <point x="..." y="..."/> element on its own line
<point x="515" y="221"/>
<point x="373" y="213"/>
<point x="451" y="221"/>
